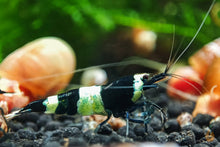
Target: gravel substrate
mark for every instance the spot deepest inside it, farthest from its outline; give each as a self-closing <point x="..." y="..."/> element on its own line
<point x="35" y="130"/>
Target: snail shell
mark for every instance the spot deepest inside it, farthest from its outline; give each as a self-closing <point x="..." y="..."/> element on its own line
<point x="41" y="67"/>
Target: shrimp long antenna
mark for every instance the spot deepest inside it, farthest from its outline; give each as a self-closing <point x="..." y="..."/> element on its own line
<point x="169" y="63"/>
<point x="197" y="32"/>
<point x="3" y="92"/>
<point x="132" y="60"/>
<point x="183" y="78"/>
<point x="179" y="92"/>
<point x="16" y="113"/>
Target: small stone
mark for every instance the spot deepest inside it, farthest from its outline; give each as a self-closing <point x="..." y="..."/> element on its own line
<point x="171" y="126"/>
<point x="201" y="145"/>
<point x="209" y="140"/>
<point x="202" y="119"/>
<point x="174" y="109"/>
<point x="162" y="137"/>
<point x="151" y="138"/>
<point x="122" y="132"/>
<point x="88" y="135"/>
<point x="52" y="125"/>
<point x="199" y="133"/>
<point x="162" y="100"/>
<point x="215" y="127"/>
<point x="139" y="130"/>
<point x="98" y="139"/>
<point x="67" y="122"/>
<point x="188" y="138"/>
<point x="13" y="136"/>
<point x="175" y="137"/>
<point x="7" y="144"/>
<point x="26" y="134"/>
<point x="39" y="134"/>
<point x="113" y="139"/>
<point x="15" y="126"/>
<point x="214" y="142"/>
<point x="52" y="144"/>
<point x="43" y="120"/>
<point x="29" y="143"/>
<point x="32" y="126"/>
<point x="156" y="124"/>
<point x="188" y="106"/>
<point x="184" y="119"/>
<point x="57" y="133"/>
<point x="71" y="132"/>
<point x="105" y="130"/>
<point x="79" y="142"/>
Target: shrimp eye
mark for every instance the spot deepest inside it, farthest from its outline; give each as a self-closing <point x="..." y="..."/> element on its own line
<point x="145" y="77"/>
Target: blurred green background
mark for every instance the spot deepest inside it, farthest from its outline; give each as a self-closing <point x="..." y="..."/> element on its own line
<point x="95" y="28"/>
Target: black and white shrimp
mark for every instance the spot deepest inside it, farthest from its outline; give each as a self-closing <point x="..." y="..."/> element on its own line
<point x="119" y="98"/>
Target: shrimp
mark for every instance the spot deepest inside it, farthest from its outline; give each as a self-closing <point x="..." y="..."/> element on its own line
<point x="119" y="98"/>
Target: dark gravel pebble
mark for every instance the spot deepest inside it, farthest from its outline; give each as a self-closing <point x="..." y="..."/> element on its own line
<point x="202" y="145"/>
<point x="175" y="137"/>
<point x="57" y="133"/>
<point x="174" y="109"/>
<point x="53" y="125"/>
<point x="199" y="132"/>
<point x="52" y="144"/>
<point x="151" y="138"/>
<point x="30" y="143"/>
<point x="26" y="134"/>
<point x="188" y="106"/>
<point x="43" y="120"/>
<point x="98" y="139"/>
<point x="209" y="140"/>
<point x="162" y="137"/>
<point x="13" y="136"/>
<point x="31" y="125"/>
<point x="122" y="132"/>
<point x="7" y="144"/>
<point x="156" y="124"/>
<point x="171" y="126"/>
<point x="105" y="130"/>
<point x="202" y="119"/>
<point x="188" y="138"/>
<point x="182" y="138"/>
<point x="113" y="139"/>
<point x="163" y="100"/>
<point x="79" y="142"/>
<point x="215" y="127"/>
<point x="71" y="132"/>
<point x="15" y="126"/>
<point x="139" y="130"/>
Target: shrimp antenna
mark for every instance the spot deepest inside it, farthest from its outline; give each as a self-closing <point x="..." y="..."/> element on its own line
<point x="132" y="60"/>
<point x="2" y="92"/>
<point x="183" y="78"/>
<point x="171" y="52"/>
<point x="189" y="44"/>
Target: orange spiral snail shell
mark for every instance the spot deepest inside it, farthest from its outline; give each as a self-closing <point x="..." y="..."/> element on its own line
<point x="30" y="71"/>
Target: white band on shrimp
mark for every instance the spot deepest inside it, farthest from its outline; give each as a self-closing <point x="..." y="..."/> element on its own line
<point x="138" y="86"/>
<point x="90" y="101"/>
<point x="51" y="104"/>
